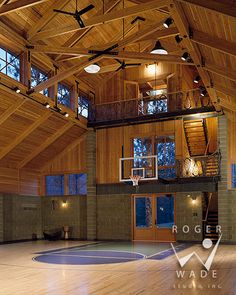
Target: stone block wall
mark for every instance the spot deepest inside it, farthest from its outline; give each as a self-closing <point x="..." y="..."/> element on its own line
<point x="114" y="217"/>
<point x="190" y="214"/>
<point x="21" y="217"/>
<point x="55" y="216"/>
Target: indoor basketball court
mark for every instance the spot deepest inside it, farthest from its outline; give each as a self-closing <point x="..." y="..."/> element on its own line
<point x="117" y="147"/>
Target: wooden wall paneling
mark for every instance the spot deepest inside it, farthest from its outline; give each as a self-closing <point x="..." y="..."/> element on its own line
<point x="212" y="126"/>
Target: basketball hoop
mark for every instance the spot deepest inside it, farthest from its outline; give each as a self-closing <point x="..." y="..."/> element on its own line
<point x="135" y="179"/>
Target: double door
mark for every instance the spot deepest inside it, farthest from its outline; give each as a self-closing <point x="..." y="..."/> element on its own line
<point x="153" y="217"/>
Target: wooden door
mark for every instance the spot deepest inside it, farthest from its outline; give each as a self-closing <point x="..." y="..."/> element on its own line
<point x="153" y="217"/>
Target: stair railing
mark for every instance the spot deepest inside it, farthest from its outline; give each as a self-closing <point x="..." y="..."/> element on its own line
<point x="207" y="146"/>
<point x="208" y="206"/>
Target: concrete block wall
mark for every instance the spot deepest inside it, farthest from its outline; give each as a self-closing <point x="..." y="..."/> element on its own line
<point x="224" y="195"/>
<point x="190" y="214"/>
<point x="21" y="217"/>
<point x="91" y="185"/>
<point x="55" y="216"/>
<point x="114" y="217"/>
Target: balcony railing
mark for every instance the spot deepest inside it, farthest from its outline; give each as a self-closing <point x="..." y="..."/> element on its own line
<point x="149" y="106"/>
<point x="202" y="166"/>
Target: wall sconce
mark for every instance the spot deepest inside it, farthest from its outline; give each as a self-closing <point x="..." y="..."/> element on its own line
<point x="194" y="200"/>
<point x="64" y="204"/>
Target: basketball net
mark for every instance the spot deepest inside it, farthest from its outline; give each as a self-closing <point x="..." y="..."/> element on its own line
<point x="135" y="179"/>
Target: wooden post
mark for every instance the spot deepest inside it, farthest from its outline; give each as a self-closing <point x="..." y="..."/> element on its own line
<point x="25" y="69"/>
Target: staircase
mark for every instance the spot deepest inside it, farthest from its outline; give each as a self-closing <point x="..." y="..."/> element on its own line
<point x="212" y="166"/>
<point x="212" y="221"/>
<point x="196" y="138"/>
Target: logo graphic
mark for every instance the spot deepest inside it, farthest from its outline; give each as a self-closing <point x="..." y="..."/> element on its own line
<point x="207" y="244"/>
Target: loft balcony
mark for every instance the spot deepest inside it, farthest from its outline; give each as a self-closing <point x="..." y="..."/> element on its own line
<point x="200" y="173"/>
<point x="150" y="109"/>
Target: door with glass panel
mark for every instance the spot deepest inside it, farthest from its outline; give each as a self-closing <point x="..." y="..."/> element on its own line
<point x="153" y="217"/>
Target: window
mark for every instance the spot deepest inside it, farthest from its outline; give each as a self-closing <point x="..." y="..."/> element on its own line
<point x="154" y="105"/>
<point x="55" y="185"/>
<point x="83" y="105"/>
<point x="233" y="175"/>
<point x="165" y="151"/>
<point x="78" y="184"/>
<point x="9" y="64"/>
<point x="38" y="76"/>
<point x="163" y="147"/>
<point x="63" y="95"/>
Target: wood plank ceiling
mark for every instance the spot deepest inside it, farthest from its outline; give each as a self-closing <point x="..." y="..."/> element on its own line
<point x="208" y="29"/>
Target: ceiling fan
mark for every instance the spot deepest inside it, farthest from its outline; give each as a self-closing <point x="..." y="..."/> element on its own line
<point x="77" y="14"/>
<point x="124" y="65"/>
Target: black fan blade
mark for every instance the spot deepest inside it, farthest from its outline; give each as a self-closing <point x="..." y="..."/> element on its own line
<point x="131" y="65"/>
<point x="120" y="67"/>
<point x="86" y="9"/>
<point x="120" y="62"/>
<point x="64" y="12"/>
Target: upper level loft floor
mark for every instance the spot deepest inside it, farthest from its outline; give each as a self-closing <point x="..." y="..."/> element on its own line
<point x="151" y="108"/>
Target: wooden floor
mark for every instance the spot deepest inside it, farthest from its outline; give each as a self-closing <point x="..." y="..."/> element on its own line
<point x="20" y="275"/>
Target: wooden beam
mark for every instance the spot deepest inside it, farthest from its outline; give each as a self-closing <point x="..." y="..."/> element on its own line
<point x="45" y="144"/>
<point x="2" y="2"/>
<point x="101" y="19"/>
<point x="221" y="71"/>
<point x="64" y="74"/>
<point x="85" y="62"/>
<point x="80" y="34"/>
<point x="11" y="110"/>
<point x="68" y="148"/>
<point x="20" y="4"/>
<point x="25" y="134"/>
<point x="47" y="17"/>
<point x="161" y="34"/>
<point x="183" y="26"/>
<point x="145" y="57"/>
<point x="224" y="7"/>
<point x="214" y="42"/>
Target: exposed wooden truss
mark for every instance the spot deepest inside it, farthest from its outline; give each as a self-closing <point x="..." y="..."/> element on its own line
<point x="183" y="26"/>
<point x="97" y="20"/>
<point x="214" y="42"/>
<point x="17" y="5"/>
<point x="47" y="17"/>
<point x="11" y="110"/>
<point x="223" y="7"/>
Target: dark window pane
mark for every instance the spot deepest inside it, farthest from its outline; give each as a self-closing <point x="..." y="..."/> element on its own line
<point x="83" y="106"/>
<point x="233" y="175"/>
<point x="143" y="208"/>
<point x="38" y="76"/>
<point x="78" y="184"/>
<point x="165" y="211"/>
<point x="55" y="185"/>
<point x="63" y="95"/>
<point x="167" y="173"/>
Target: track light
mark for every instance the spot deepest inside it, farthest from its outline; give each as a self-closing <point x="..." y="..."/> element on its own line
<point x="178" y="39"/>
<point x="168" y="22"/>
<point x="92" y="69"/>
<point x="203" y="92"/>
<point x="159" y="49"/>
<point x="186" y="56"/>
<point x="47" y="105"/>
<point x="66" y="114"/>
<point x="197" y="79"/>
<point x="17" y="90"/>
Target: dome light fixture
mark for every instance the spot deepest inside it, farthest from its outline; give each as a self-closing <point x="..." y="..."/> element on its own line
<point x="178" y="39"/>
<point x="66" y="114"/>
<point x="92" y="69"/>
<point x="47" y="105"/>
<point x="197" y="79"/>
<point x="16" y="89"/>
<point x="185" y="56"/>
<point x="168" y="22"/>
<point x="159" y="49"/>
<point x="203" y="91"/>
